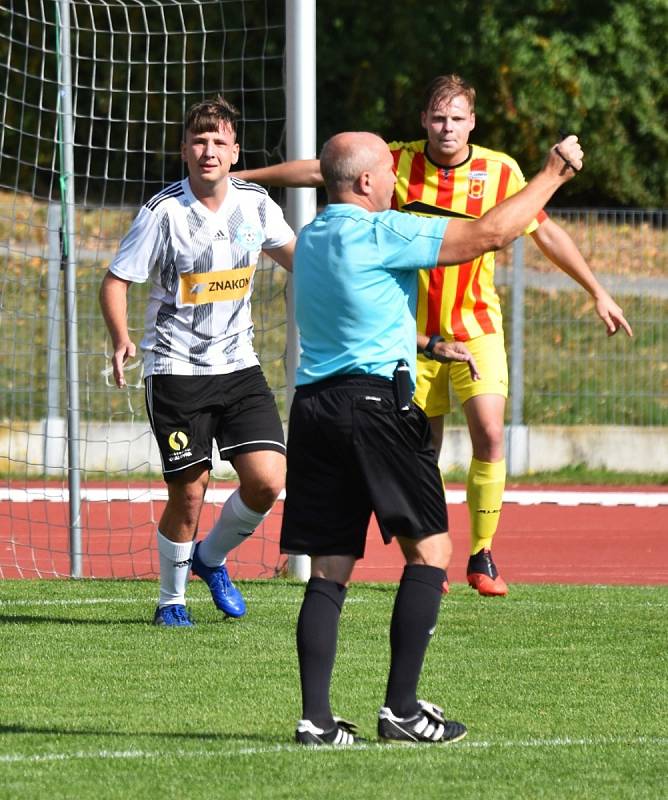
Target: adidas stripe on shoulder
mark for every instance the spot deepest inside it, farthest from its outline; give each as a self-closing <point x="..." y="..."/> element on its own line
<point x="246" y="186"/>
<point x="173" y="190"/>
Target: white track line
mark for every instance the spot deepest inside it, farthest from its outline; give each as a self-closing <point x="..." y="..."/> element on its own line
<point x="120" y="755"/>
<point x="523" y="497"/>
<point x="574" y="498"/>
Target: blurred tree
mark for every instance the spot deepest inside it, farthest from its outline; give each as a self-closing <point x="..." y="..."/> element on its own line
<point x="594" y="69"/>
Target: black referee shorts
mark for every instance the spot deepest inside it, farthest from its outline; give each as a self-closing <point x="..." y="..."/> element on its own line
<point x="350" y="453"/>
<point x="187" y="412"/>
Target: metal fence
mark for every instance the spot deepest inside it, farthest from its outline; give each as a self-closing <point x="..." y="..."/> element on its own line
<point x="564" y="368"/>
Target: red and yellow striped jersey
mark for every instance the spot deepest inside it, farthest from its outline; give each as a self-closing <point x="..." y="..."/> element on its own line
<point x="458" y="302"/>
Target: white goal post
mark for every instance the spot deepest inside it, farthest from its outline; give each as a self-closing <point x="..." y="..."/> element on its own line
<point x="92" y="98"/>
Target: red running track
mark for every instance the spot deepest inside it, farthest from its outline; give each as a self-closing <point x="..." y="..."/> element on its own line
<point x="546" y="543"/>
<point x="553" y="544"/>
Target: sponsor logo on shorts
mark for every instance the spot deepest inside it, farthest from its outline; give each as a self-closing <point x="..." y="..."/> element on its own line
<point x="178" y="441"/>
<point x="180" y="447"/>
<point x="198" y="288"/>
<point x="477" y="180"/>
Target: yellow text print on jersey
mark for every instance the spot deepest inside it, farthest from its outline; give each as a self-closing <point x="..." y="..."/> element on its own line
<point x="197" y="288"/>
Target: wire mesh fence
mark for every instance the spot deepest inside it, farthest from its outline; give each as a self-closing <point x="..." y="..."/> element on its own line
<point x="573" y="373"/>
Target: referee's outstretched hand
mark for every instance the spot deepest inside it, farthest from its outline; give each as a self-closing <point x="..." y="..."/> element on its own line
<point x="565" y="157"/>
<point x="455" y="351"/>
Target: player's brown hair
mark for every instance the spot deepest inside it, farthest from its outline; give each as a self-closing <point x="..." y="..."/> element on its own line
<point x="446" y="88"/>
<point x="206" y="116"/>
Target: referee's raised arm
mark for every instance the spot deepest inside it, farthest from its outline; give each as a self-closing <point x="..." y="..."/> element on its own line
<point x="467" y="239"/>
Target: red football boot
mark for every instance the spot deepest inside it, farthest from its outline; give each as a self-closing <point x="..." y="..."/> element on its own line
<point x="483" y="575"/>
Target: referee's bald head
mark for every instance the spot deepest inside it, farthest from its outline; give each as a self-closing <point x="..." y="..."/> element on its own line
<point x="346" y="156"/>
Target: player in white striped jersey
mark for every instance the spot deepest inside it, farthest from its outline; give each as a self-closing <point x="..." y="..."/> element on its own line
<point x="198" y="242"/>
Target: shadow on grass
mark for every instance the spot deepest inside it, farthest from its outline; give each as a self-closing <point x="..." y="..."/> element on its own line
<point x="26" y="619"/>
<point x="190" y="735"/>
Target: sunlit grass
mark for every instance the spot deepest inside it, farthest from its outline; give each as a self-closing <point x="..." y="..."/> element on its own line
<point x="563" y="689"/>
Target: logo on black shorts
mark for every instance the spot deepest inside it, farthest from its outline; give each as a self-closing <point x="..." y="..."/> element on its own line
<point x="178" y="441"/>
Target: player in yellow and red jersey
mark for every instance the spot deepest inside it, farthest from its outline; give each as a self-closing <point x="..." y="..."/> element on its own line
<point x="463" y="303"/>
<point x="445" y="175"/>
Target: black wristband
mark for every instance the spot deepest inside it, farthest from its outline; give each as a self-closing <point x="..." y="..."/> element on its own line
<point x="428" y="350"/>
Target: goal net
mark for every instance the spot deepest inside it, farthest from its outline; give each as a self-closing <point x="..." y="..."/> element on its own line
<point x="135" y="67"/>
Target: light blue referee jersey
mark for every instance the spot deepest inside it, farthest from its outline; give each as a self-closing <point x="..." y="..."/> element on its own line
<point x="355" y="280"/>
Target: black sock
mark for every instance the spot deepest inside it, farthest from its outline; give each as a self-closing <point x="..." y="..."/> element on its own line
<point x="414" y="617"/>
<point x="317" y="631"/>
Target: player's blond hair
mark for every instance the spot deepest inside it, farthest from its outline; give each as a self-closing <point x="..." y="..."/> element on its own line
<point x="444" y="88"/>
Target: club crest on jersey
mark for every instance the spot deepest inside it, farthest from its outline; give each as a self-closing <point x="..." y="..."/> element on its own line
<point x="248" y="237"/>
<point x="477" y="180"/>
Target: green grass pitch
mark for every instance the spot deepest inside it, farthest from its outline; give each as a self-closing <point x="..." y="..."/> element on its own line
<point x="563" y="688"/>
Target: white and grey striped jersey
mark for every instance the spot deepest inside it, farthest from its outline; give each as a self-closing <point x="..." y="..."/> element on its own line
<point x="201" y="266"/>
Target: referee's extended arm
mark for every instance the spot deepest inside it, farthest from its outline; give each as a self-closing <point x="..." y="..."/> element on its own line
<point x="467" y="239"/>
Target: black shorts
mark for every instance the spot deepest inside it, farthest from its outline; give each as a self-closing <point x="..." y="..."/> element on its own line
<point x="187" y="412"/>
<point x="350" y="452"/>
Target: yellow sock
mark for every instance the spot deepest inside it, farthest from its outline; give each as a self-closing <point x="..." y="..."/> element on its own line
<point x="484" y="495"/>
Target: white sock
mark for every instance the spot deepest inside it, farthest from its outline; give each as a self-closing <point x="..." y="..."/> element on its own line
<point x="235" y="523"/>
<point x="174" y="570"/>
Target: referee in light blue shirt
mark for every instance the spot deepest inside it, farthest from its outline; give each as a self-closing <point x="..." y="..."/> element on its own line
<point x="356" y="290"/>
<point x="356" y="442"/>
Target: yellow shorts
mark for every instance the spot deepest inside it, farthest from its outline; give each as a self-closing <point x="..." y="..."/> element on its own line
<point x="432" y="389"/>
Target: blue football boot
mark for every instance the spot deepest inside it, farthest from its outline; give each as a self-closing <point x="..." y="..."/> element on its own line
<point x="226" y="597"/>
<point x="172" y="616"/>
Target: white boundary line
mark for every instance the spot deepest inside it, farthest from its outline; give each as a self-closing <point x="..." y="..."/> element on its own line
<point x="523" y="497"/>
<point x="143" y="601"/>
<point x="116" y="755"/>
